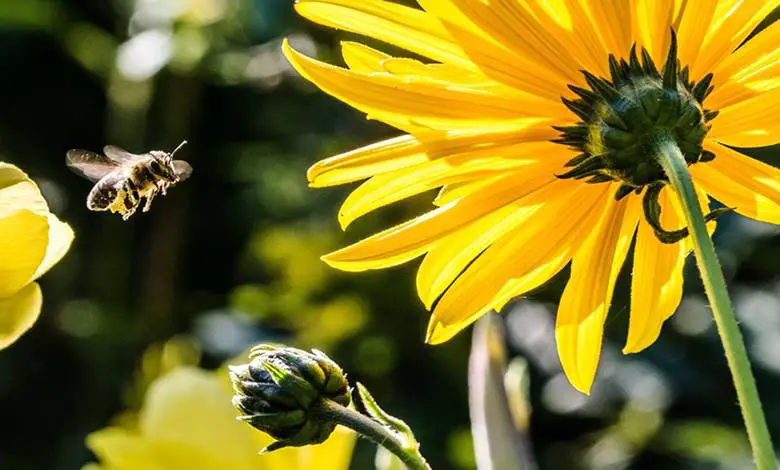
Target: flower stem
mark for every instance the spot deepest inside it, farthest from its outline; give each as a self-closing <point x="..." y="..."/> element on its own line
<point x="669" y="157"/>
<point x="328" y="410"/>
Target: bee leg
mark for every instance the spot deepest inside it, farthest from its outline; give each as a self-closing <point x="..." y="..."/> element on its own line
<point x="163" y="187"/>
<point x="149" y="197"/>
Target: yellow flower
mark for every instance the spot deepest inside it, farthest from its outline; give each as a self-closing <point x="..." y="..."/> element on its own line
<point x="32" y="240"/>
<point x="499" y="89"/>
<point x="187" y="422"/>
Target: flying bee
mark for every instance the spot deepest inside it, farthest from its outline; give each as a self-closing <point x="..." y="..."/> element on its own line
<point x="123" y="178"/>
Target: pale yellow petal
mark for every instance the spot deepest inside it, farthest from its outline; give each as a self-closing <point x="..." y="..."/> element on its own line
<point x="523" y="259"/>
<point x="336" y="451"/>
<point x="749" y="123"/>
<point x="527" y="159"/>
<point x="18" y="191"/>
<point x="411" y="239"/>
<point x="586" y="299"/>
<point x="18" y="313"/>
<point x="119" y="449"/>
<point x="736" y="180"/>
<point x="23" y="240"/>
<point x="187" y="406"/>
<point x="60" y="238"/>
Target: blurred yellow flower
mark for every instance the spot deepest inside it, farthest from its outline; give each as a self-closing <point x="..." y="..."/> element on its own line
<point x="485" y="113"/>
<point x="32" y="240"/>
<point x="188" y="422"/>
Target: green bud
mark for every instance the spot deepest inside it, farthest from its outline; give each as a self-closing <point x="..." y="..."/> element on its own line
<point x="276" y="390"/>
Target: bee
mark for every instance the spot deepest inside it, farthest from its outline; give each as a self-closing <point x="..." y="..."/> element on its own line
<point x="123" y="178"/>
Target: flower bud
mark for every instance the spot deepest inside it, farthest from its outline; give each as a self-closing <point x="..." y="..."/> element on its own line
<point x="277" y="389"/>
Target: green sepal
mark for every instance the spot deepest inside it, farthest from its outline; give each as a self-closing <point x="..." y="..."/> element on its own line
<point x="381" y="416"/>
<point x="652" y="212"/>
<point x="302" y="390"/>
<point x="671" y="66"/>
<point x="284" y="419"/>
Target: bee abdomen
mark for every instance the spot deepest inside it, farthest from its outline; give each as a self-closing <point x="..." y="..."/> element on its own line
<point x="103" y="195"/>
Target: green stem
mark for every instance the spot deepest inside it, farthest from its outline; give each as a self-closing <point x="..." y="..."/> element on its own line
<point x="328" y="410"/>
<point x="673" y="163"/>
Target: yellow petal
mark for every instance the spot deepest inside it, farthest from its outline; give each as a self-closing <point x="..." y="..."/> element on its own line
<point x="533" y="251"/>
<point x="23" y="241"/>
<point x="568" y="21"/>
<point x="694" y="23"/>
<point x="516" y="29"/>
<point x="60" y="239"/>
<point x="379" y="191"/>
<point x="749" y="123"/>
<point x="732" y="23"/>
<point x="405" y="151"/>
<point x="409" y="240"/>
<point x="417" y="97"/>
<point x="739" y="181"/>
<point x="654" y="19"/>
<point x="504" y="66"/>
<point x="17" y="192"/>
<point x="451" y="256"/>
<point x="614" y="21"/>
<point x="586" y="299"/>
<point x="748" y="71"/>
<point x="455" y="191"/>
<point x="405" y="27"/>
<point x="657" y="279"/>
<point x="381" y="157"/>
<point x="18" y="313"/>
<point x="362" y="58"/>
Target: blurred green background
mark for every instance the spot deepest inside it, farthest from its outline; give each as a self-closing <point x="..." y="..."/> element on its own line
<point x="231" y="258"/>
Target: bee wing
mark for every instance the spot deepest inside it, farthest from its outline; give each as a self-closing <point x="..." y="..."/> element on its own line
<point x="182" y="169"/>
<point x="120" y="155"/>
<point x="90" y="165"/>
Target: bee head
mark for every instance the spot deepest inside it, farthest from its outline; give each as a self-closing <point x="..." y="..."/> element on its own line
<point x="164" y="167"/>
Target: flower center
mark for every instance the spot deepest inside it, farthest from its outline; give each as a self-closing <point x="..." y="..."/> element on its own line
<point x="620" y="117"/>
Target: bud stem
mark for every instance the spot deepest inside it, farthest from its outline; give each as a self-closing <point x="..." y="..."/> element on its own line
<point x="672" y="161"/>
<point x="330" y="411"/>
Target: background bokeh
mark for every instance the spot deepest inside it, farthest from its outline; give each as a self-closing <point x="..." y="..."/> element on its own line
<point x="231" y="258"/>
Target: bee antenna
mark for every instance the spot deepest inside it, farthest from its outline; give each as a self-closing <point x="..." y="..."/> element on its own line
<point x="183" y="142"/>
